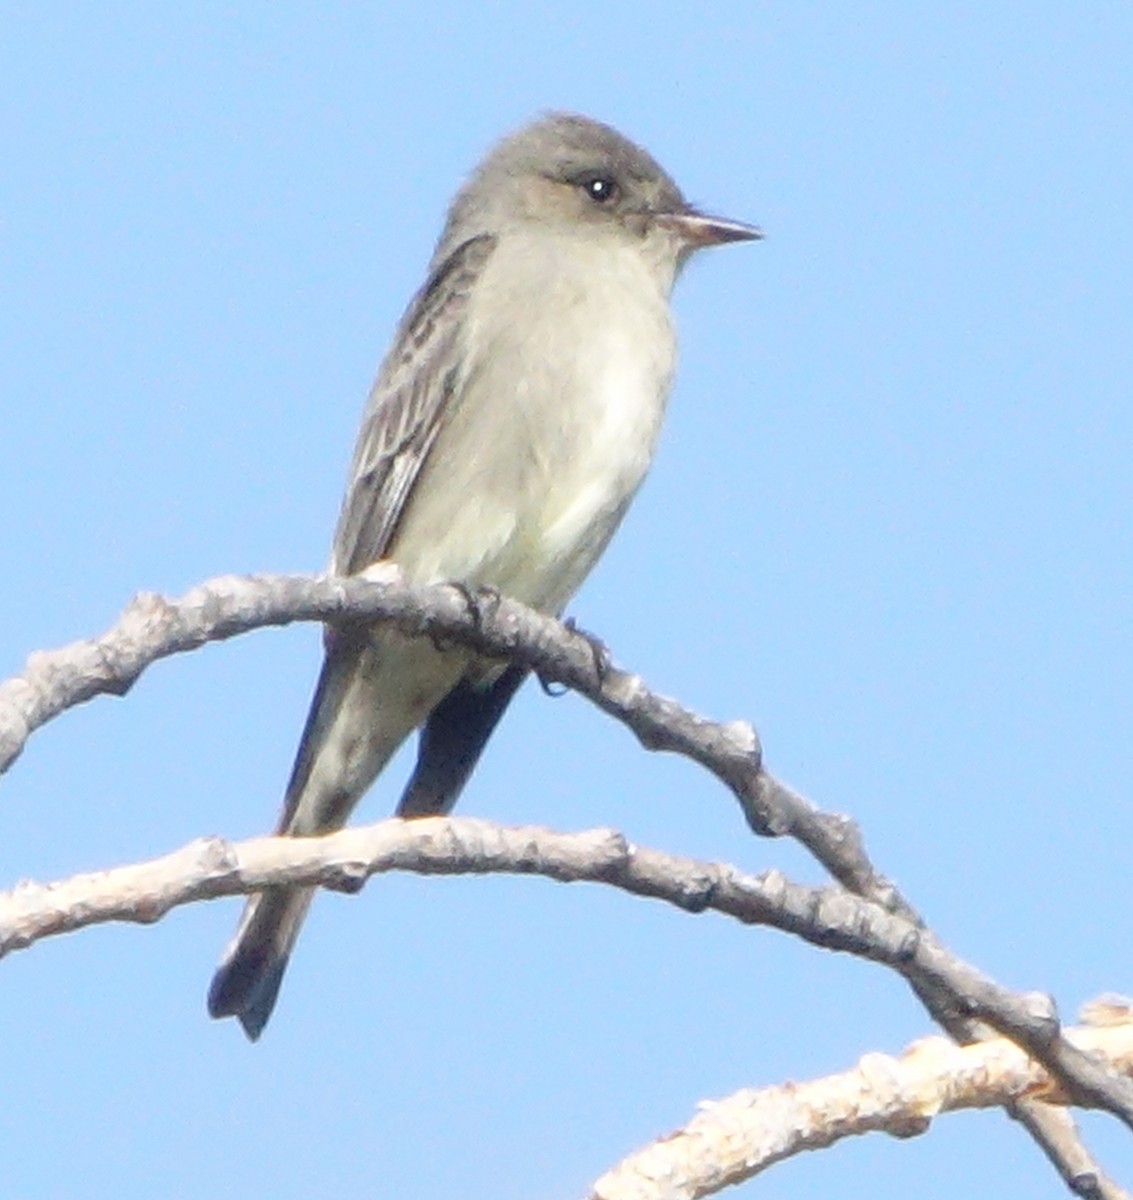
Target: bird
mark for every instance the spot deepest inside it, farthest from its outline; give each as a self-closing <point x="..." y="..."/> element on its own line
<point x="510" y="425"/>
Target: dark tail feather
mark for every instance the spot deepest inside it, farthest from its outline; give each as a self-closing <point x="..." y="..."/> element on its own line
<point x="247" y="982"/>
<point x="248" y="979"/>
<point x="452" y="741"/>
<point x="368" y="699"/>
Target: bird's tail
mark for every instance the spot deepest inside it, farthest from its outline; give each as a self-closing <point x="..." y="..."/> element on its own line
<point x="247" y="981"/>
<point x="371" y="694"/>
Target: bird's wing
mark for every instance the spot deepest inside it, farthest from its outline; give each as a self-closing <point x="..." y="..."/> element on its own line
<point x="407" y="409"/>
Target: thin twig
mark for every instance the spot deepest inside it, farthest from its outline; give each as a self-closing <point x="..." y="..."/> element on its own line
<point x="153" y="627"/>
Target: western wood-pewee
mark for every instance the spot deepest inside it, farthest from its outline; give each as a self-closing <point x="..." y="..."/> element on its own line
<point x="510" y="426"/>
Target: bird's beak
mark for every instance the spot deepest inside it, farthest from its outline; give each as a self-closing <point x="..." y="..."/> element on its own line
<point x="697" y="229"/>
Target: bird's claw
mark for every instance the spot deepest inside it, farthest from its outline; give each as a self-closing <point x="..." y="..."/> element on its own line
<point x="599" y="651"/>
<point x="599" y="656"/>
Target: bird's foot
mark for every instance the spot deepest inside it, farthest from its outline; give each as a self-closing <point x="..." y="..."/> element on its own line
<point x="480" y="602"/>
<point x="599" y="655"/>
<point x="599" y="651"/>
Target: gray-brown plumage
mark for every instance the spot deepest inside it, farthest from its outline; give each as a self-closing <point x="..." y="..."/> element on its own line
<point x="510" y="426"/>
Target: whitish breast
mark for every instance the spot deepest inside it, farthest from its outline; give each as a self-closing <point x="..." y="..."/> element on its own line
<point x="571" y="353"/>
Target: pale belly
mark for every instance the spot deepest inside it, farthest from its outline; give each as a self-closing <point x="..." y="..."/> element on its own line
<point x="553" y="435"/>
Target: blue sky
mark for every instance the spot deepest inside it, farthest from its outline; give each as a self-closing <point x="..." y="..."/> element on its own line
<point x="889" y="523"/>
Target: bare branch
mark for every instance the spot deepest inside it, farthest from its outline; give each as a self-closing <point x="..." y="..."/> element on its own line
<point x="343" y="861"/>
<point x="1057" y="1135"/>
<point x="829" y="917"/>
<point x="731" y="1140"/>
<point x="152" y="628"/>
<point x="728" y="1141"/>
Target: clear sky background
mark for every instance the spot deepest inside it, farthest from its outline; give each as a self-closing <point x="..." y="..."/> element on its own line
<point x="889" y="523"/>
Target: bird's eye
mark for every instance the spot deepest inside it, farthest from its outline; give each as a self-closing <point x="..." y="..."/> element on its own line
<point x="600" y="188"/>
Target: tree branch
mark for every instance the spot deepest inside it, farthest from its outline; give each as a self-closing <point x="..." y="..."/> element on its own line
<point x="730" y="1140"/>
<point x="152" y="627"/>
<point x="829" y="917"/>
